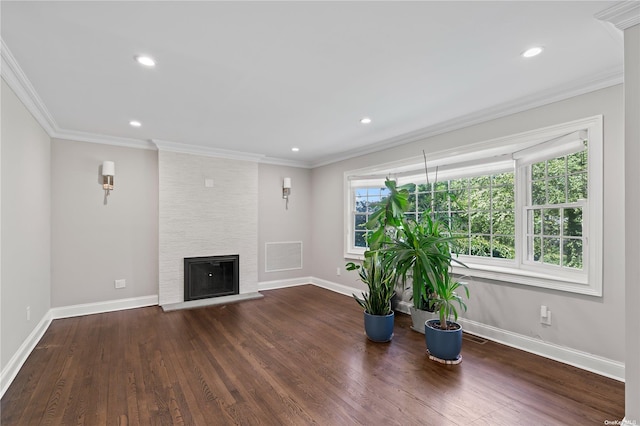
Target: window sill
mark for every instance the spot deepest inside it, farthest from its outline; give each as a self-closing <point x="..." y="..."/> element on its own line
<point x="577" y="284"/>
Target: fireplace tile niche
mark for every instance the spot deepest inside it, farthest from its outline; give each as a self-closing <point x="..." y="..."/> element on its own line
<point x="211" y="276"/>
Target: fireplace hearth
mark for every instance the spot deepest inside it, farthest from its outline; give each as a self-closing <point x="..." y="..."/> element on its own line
<point x="211" y="276"/>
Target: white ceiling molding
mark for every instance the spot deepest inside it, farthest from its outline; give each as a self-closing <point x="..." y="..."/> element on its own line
<point x="623" y="15"/>
<point x="79" y="136"/>
<point x="21" y="86"/>
<point x="206" y="151"/>
<point x="604" y="80"/>
<point x="17" y="80"/>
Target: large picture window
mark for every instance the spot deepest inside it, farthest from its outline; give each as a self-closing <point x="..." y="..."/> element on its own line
<point x="526" y="209"/>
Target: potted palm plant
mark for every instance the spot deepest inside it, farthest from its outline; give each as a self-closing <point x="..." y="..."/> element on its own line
<point x="376" y="302"/>
<point x="416" y="251"/>
<point x="443" y="337"/>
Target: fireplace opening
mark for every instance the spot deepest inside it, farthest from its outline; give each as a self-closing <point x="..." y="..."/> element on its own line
<point x="211" y="276"/>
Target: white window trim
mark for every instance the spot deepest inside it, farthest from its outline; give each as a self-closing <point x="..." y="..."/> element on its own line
<point x="588" y="282"/>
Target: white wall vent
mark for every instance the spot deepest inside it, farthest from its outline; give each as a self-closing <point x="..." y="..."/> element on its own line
<point x="283" y="256"/>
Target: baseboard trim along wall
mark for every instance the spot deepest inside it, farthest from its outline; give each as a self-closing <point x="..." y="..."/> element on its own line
<point x="18" y="359"/>
<point x="10" y="371"/>
<point x="291" y="282"/>
<point x="599" y="365"/>
<point x="102" y="307"/>
<point x="586" y="361"/>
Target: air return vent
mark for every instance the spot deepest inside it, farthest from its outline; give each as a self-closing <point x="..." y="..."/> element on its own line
<point x="283" y="256"/>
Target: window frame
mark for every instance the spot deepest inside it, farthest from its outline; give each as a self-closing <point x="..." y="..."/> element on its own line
<point x="586" y="281"/>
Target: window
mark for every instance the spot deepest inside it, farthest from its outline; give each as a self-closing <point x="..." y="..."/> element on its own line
<point x="527" y="208"/>
<point x="366" y="202"/>
<point x="557" y="198"/>
<point x="480" y="211"/>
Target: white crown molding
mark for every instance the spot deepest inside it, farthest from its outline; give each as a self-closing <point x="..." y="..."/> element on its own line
<point x="79" y="136"/>
<point x="184" y="148"/>
<point x="580" y="87"/>
<point x="18" y="82"/>
<point x="623" y="15"/>
<point x="285" y="162"/>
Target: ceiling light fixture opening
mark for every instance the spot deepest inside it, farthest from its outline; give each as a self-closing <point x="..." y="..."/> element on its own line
<point x="365" y="120"/>
<point x="134" y="123"/>
<point x="147" y="61"/>
<point x="534" y="51"/>
<point x="295" y="149"/>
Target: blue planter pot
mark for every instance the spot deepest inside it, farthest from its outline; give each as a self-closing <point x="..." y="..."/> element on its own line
<point x="443" y="344"/>
<point x="379" y="328"/>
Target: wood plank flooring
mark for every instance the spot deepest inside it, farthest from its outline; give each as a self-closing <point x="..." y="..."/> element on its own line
<point x="298" y="356"/>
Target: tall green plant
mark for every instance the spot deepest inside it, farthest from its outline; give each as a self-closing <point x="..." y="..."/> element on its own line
<point x="446" y="298"/>
<point x="385" y="222"/>
<point x="380" y="283"/>
<point x="420" y="251"/>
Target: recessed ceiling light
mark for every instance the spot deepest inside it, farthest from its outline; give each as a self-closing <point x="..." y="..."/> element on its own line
<point x="147" y="61"/>
<point x="134" y="123"/>
<point x="534" y="51"/>
<point x="365" y="120"/>
<point x="295" y="149"/>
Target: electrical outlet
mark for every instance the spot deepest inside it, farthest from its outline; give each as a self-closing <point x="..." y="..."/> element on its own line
<point x="545" y="315"/>
<point x="28" y="313"/>
<point x="120" y="283"/>
<point x="338" y="272"/>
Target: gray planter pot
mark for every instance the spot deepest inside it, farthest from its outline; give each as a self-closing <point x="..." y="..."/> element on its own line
<point x="419" y="317"/>
<point x="379" y="328"/>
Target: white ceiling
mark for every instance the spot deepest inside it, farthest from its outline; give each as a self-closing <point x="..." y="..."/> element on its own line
<point x="262" y="77"/>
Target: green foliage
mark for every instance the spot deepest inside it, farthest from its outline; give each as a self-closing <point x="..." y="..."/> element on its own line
<point x="409" y="249"/>
<point x="446" y="298"/>
<point x="420" y="251"/>
<point x="379" y="280"/>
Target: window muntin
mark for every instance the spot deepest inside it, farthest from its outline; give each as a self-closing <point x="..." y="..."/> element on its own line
<point x="480" y="211"/>
<point x="366" y="202"/>
<point x="557" y="197"/>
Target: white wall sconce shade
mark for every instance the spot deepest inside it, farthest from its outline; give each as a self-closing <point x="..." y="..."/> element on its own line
<point x="286" y="190"/>
<point x="108" y="172"/>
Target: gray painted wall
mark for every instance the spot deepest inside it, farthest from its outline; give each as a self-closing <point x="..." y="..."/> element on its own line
<point x="632" y="253"/>
<point x="199" y="221"/>
<point x="579" y="322"/>
<point x="26" y="224"/>
<point x="94" y="243"/>
<point x="276" y="224"/>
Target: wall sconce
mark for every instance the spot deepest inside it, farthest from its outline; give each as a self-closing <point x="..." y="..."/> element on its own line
<point x="108" y="172"/>
<point x="286" y="190"/>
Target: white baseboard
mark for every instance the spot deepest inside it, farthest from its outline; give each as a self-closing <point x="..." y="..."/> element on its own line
<point x="101" y="307"/>
<point x="586" y="361"/>
<point x="18" y="359"/>
<point x="292" y="282"/>
<point x="10" y="371"/>
<point x="338" y="288"/>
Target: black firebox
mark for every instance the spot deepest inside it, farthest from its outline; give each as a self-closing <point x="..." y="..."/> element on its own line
<point x="211" y="276"/>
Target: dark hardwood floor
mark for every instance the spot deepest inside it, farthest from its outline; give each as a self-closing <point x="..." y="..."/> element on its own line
<point x="298" y="356"/>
